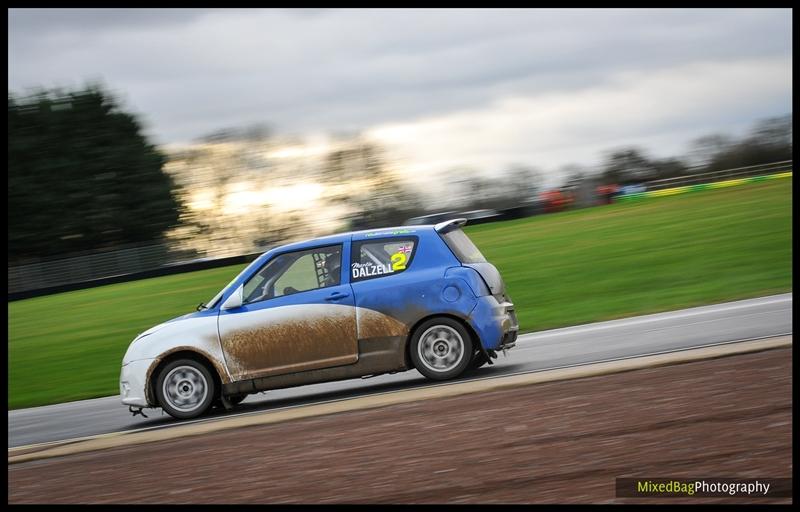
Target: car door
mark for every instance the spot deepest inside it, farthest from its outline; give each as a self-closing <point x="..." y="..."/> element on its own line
<point x="388" y="298"/>
<point x="297" y="314"/>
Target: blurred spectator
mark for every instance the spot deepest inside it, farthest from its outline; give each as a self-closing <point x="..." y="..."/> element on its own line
<point x="632" y="188"/>
<point x="554" y="200"/>
<point x="607" y="193"/>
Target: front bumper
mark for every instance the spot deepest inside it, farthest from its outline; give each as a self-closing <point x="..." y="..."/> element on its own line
<point x="133" y="381"/>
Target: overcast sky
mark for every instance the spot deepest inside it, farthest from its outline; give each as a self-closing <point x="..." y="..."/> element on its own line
<point x="442" y="88"/>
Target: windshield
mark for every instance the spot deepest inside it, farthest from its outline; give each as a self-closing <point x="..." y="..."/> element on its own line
<point x="218" y="296"/>
<point x="462" y="247"/>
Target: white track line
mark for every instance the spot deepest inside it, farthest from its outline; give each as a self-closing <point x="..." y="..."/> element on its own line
<point x="610" y="324"/>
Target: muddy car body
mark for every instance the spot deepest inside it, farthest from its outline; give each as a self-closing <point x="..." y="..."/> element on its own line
<point x="332" y="308"/>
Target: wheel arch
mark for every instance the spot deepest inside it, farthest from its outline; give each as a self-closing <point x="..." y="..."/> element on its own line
<point x="172" y="355"/>
<point x="476" y="340"/>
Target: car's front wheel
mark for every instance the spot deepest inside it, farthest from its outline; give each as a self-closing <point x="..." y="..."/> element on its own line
<point x="441" y="348"/>
<point x="185" y="388"/>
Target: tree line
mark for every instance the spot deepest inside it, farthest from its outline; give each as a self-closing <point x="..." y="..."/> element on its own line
<point x="83" y="176"/>
<point x="770" y="140"/>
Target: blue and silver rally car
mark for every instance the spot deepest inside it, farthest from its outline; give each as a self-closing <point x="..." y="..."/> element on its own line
<point x="332" y="308"/>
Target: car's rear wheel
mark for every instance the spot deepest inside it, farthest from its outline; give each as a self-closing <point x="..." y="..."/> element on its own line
<point x="441" y="348"/>
<point x="185" y="388"/>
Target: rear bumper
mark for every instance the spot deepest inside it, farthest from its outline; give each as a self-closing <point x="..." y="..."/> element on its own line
<point x="495" y="322"/>
<point x="509" y="340"/>
<point x="510" y="326"/>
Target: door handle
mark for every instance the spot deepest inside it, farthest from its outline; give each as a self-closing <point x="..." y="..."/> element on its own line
<point x="337" y="296"/>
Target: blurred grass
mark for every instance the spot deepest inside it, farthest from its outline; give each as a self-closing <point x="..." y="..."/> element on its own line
<point x="561" y="269"/>
<point x="644" y="256"/>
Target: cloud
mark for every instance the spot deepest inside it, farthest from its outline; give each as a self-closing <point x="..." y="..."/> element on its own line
<point x="660" y="111"/>
<point x="189" y="72"/>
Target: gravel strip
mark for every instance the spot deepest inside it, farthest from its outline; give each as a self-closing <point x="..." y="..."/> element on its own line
<point x="559" y="442"/>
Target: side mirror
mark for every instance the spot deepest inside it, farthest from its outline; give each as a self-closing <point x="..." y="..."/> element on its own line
<point x="235" y="300"/>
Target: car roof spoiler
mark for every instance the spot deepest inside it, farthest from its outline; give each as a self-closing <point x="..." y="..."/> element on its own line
<point x="449" y="225"/>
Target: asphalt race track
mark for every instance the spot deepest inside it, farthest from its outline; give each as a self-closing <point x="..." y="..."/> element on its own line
<point x="630" y="337"/>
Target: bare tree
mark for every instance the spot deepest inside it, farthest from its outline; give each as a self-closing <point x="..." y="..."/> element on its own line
<point x="628" y="164"/>
<point x="703" y="149"/>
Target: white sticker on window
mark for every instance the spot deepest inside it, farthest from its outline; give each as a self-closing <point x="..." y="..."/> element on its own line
<point x="368" y="269"/>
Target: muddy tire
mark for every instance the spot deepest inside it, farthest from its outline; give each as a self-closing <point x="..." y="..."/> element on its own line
<point x="185" y="388"/>
<point x="441" y="348"/>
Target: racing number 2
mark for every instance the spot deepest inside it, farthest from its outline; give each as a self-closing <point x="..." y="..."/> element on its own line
<point x="398" y="261"/>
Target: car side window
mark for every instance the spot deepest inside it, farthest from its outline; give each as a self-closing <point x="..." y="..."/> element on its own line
<point x="376" y="258"/>
<point x="295" y="272"/>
